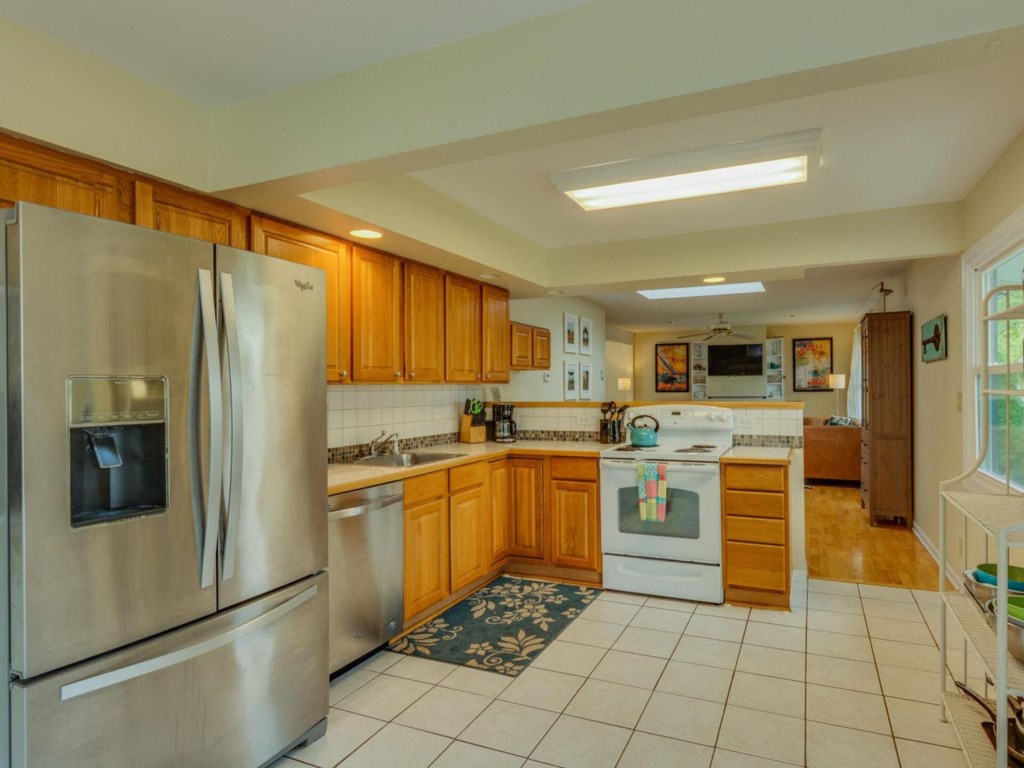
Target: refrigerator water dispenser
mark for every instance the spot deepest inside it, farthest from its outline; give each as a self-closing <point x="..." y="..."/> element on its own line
<point x="118" y="448"/>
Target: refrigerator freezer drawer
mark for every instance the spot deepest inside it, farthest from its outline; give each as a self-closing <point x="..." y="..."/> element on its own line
<point x="233" y="690"/>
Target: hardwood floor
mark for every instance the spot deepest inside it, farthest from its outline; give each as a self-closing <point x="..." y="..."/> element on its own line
<point x="842" y="546"/>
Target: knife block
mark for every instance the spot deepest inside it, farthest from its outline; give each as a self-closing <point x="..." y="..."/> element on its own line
<point x="470" y="434"/>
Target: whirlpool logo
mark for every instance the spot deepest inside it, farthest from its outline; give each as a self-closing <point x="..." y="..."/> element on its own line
<point x="302" y="285"/>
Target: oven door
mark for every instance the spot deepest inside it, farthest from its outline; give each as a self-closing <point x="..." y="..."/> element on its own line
<point x="692" y="529"/>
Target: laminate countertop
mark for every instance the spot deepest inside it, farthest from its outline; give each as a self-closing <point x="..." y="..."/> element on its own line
<point x="757" y="455"/>
<point x="353" y="476"/>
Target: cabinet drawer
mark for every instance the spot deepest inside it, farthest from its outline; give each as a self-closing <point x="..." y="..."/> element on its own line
<point x="750" y="477"/>
<point x="755" y="566"/>
<point x="433" y="485"/>
<point x="754" y="504"/>
<point x="756" y="530"/>
<point x="467" y="476"/>
<point x="563" y="468"/>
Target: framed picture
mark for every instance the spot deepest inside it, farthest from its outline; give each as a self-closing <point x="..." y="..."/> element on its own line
<point x="586" y="370"/>
<point x="586" y="331"/>
<point x="672" y="367"/>
<point x="570" y="333"/>
<point x="933" y="339"/>
<point x="572" y="380"/>
<point x="812" y="364"/>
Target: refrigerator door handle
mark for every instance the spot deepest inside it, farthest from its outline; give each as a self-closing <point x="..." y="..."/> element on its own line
<point x="232" y="488"/>
<point x="204" y="334"/>
<point x="132" y="671"/>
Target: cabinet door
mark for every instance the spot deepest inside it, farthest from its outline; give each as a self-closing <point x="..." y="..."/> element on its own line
<point x="541" y="348"/>
<point x="376" y="316"/>
<point x="33" y="174"/>
<point x="426" y="555"/>
<point x="315" y="249"/>
<point x="495" y="334"/>
<point x="526" y="528"/>
<point x="462" y="316"/>
<point x="521" y="339"/>
<point x="466" y="537"/>
<point x="173" y="210"/>
<point x="423" y="305"/>
<point x="498" y="497"/>
<point x="574" y="527"/>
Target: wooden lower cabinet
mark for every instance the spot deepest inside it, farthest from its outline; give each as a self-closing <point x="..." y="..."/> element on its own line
<point x="755" y="524"/>
<point x="526" y="523"/>
<point x="426" y="555"/>
<point x="498" y="490"/>
<point x="574" y="524"/>
<point x="469" y="561"/>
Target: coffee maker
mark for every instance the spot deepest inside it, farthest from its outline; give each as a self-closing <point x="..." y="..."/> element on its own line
<point x="504" y="426"/>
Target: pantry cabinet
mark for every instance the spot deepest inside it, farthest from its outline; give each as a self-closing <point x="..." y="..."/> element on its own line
<point x="423" y="322"/>
<point x="333" y="256"/>
<point x="495" y="334"/>
<point x="463" y="318"/>
<point x="426" y="542"/>
<point x="31" y="173"/>
<point x="169" y="209"/>
<point x="376" y="316"/>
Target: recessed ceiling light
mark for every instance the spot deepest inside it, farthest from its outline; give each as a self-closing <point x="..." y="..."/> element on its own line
<point x="714" y="279"/>
<point x="489" y="275"/>
<point x="692" y="291"/>
<point x="733" y="167"/>
<point x="366" y="234"/>
<point x="557" y="293"/>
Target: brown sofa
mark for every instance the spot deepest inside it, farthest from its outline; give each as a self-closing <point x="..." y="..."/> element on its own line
<point x="830" y="453"/>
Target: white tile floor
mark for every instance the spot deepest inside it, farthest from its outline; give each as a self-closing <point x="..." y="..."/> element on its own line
<point x="846" y="679"/>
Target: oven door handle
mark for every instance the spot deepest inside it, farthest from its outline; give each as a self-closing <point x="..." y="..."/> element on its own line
<point x="695" y="467"/>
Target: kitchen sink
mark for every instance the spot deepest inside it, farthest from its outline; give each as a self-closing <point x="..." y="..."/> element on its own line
<point x="406" y="459"/>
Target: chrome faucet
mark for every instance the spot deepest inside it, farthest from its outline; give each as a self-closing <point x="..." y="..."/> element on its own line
<point x="380" y="441"/>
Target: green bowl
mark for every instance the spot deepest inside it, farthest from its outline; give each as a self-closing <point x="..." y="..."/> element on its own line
<point x="986" y="574"/>
<point x="1015" y="607"/>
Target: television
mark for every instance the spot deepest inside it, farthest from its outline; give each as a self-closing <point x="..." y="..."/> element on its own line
<point x="736" y="360"/>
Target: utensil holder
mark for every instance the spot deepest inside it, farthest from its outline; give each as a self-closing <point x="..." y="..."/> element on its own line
<point x="469" y="433"/>
<point x="604" y="432"/>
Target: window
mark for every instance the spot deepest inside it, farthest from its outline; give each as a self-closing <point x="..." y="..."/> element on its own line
<point x="1005" y="352"/>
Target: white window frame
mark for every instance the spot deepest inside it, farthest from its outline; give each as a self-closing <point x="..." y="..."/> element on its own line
<point x="998" y="245"/>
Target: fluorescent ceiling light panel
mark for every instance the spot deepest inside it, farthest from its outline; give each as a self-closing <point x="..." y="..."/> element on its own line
<point x="745" y="165"/>
<point x="694" y="291"/>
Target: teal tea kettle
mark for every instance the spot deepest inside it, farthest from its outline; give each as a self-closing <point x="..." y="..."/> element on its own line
<point x="643" y="437"/>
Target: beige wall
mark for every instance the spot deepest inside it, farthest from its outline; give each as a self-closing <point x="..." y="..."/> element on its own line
<point x="618" y="365"/>
<point x="815" y="403"/>
<point x="998" y="194"/>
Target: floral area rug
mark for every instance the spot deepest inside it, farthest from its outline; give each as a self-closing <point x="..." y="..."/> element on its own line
<point x="500" y="628"/>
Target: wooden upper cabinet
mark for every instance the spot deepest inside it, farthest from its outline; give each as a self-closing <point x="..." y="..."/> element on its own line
<point x="423" y="305"/>
<point x="574" y="525"/>
<point x="34" y="174"/>
<point x="526" y="514"/>
<point x="541" y="348"/>
<point x="521" y="339"/>
<point x="315" y="249"/>
<point x="495" y="334"/>
<point x="463" y="325"/>
<point x="376" y="316"/>
<point x="180" y="212"/>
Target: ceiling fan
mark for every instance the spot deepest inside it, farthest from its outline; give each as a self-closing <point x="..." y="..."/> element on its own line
<point x="720" y="327"/>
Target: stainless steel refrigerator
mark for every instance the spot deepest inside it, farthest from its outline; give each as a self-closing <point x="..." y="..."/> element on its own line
<point x="165" y="458"/>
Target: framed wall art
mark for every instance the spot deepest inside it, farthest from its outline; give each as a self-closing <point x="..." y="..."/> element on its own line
<point x="812" y="364"/>
<point x="672" y="367"/>
<point x="572" y="380"/>
<point x="586" y="332"/>
<point x="933" y="340"/>
<point x="570" y="332"/>
<point x="586" y="373"/>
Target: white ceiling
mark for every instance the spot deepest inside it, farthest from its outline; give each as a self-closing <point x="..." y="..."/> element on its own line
<point x="218" y="52"/>
<point x="824" y="295"/>
<point x="913" y="141"/>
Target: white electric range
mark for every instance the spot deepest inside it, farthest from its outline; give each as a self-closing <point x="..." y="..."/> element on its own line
<point x="680" y="556"/>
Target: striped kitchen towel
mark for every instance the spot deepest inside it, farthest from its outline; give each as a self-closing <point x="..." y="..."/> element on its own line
<point x="652" y="490"/>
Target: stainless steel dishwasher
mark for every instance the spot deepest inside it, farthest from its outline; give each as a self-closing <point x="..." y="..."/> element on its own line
<point x="365" y="556"/>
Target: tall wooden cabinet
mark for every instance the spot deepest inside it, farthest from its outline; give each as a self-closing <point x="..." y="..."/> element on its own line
<point x="376" y="316"/>
<point x="333" y="256"/>
<point x="887" y="485"/>
<point x="423" y="322"/>
<point x="494" y="335"/>
<point x="463" y="324"/>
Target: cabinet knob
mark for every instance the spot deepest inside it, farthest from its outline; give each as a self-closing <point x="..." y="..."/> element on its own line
<point x="344" y="374"/>
<point x="478" y="375"/>
<point x="398" y="374"/>
<point x="412" y="375"/>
